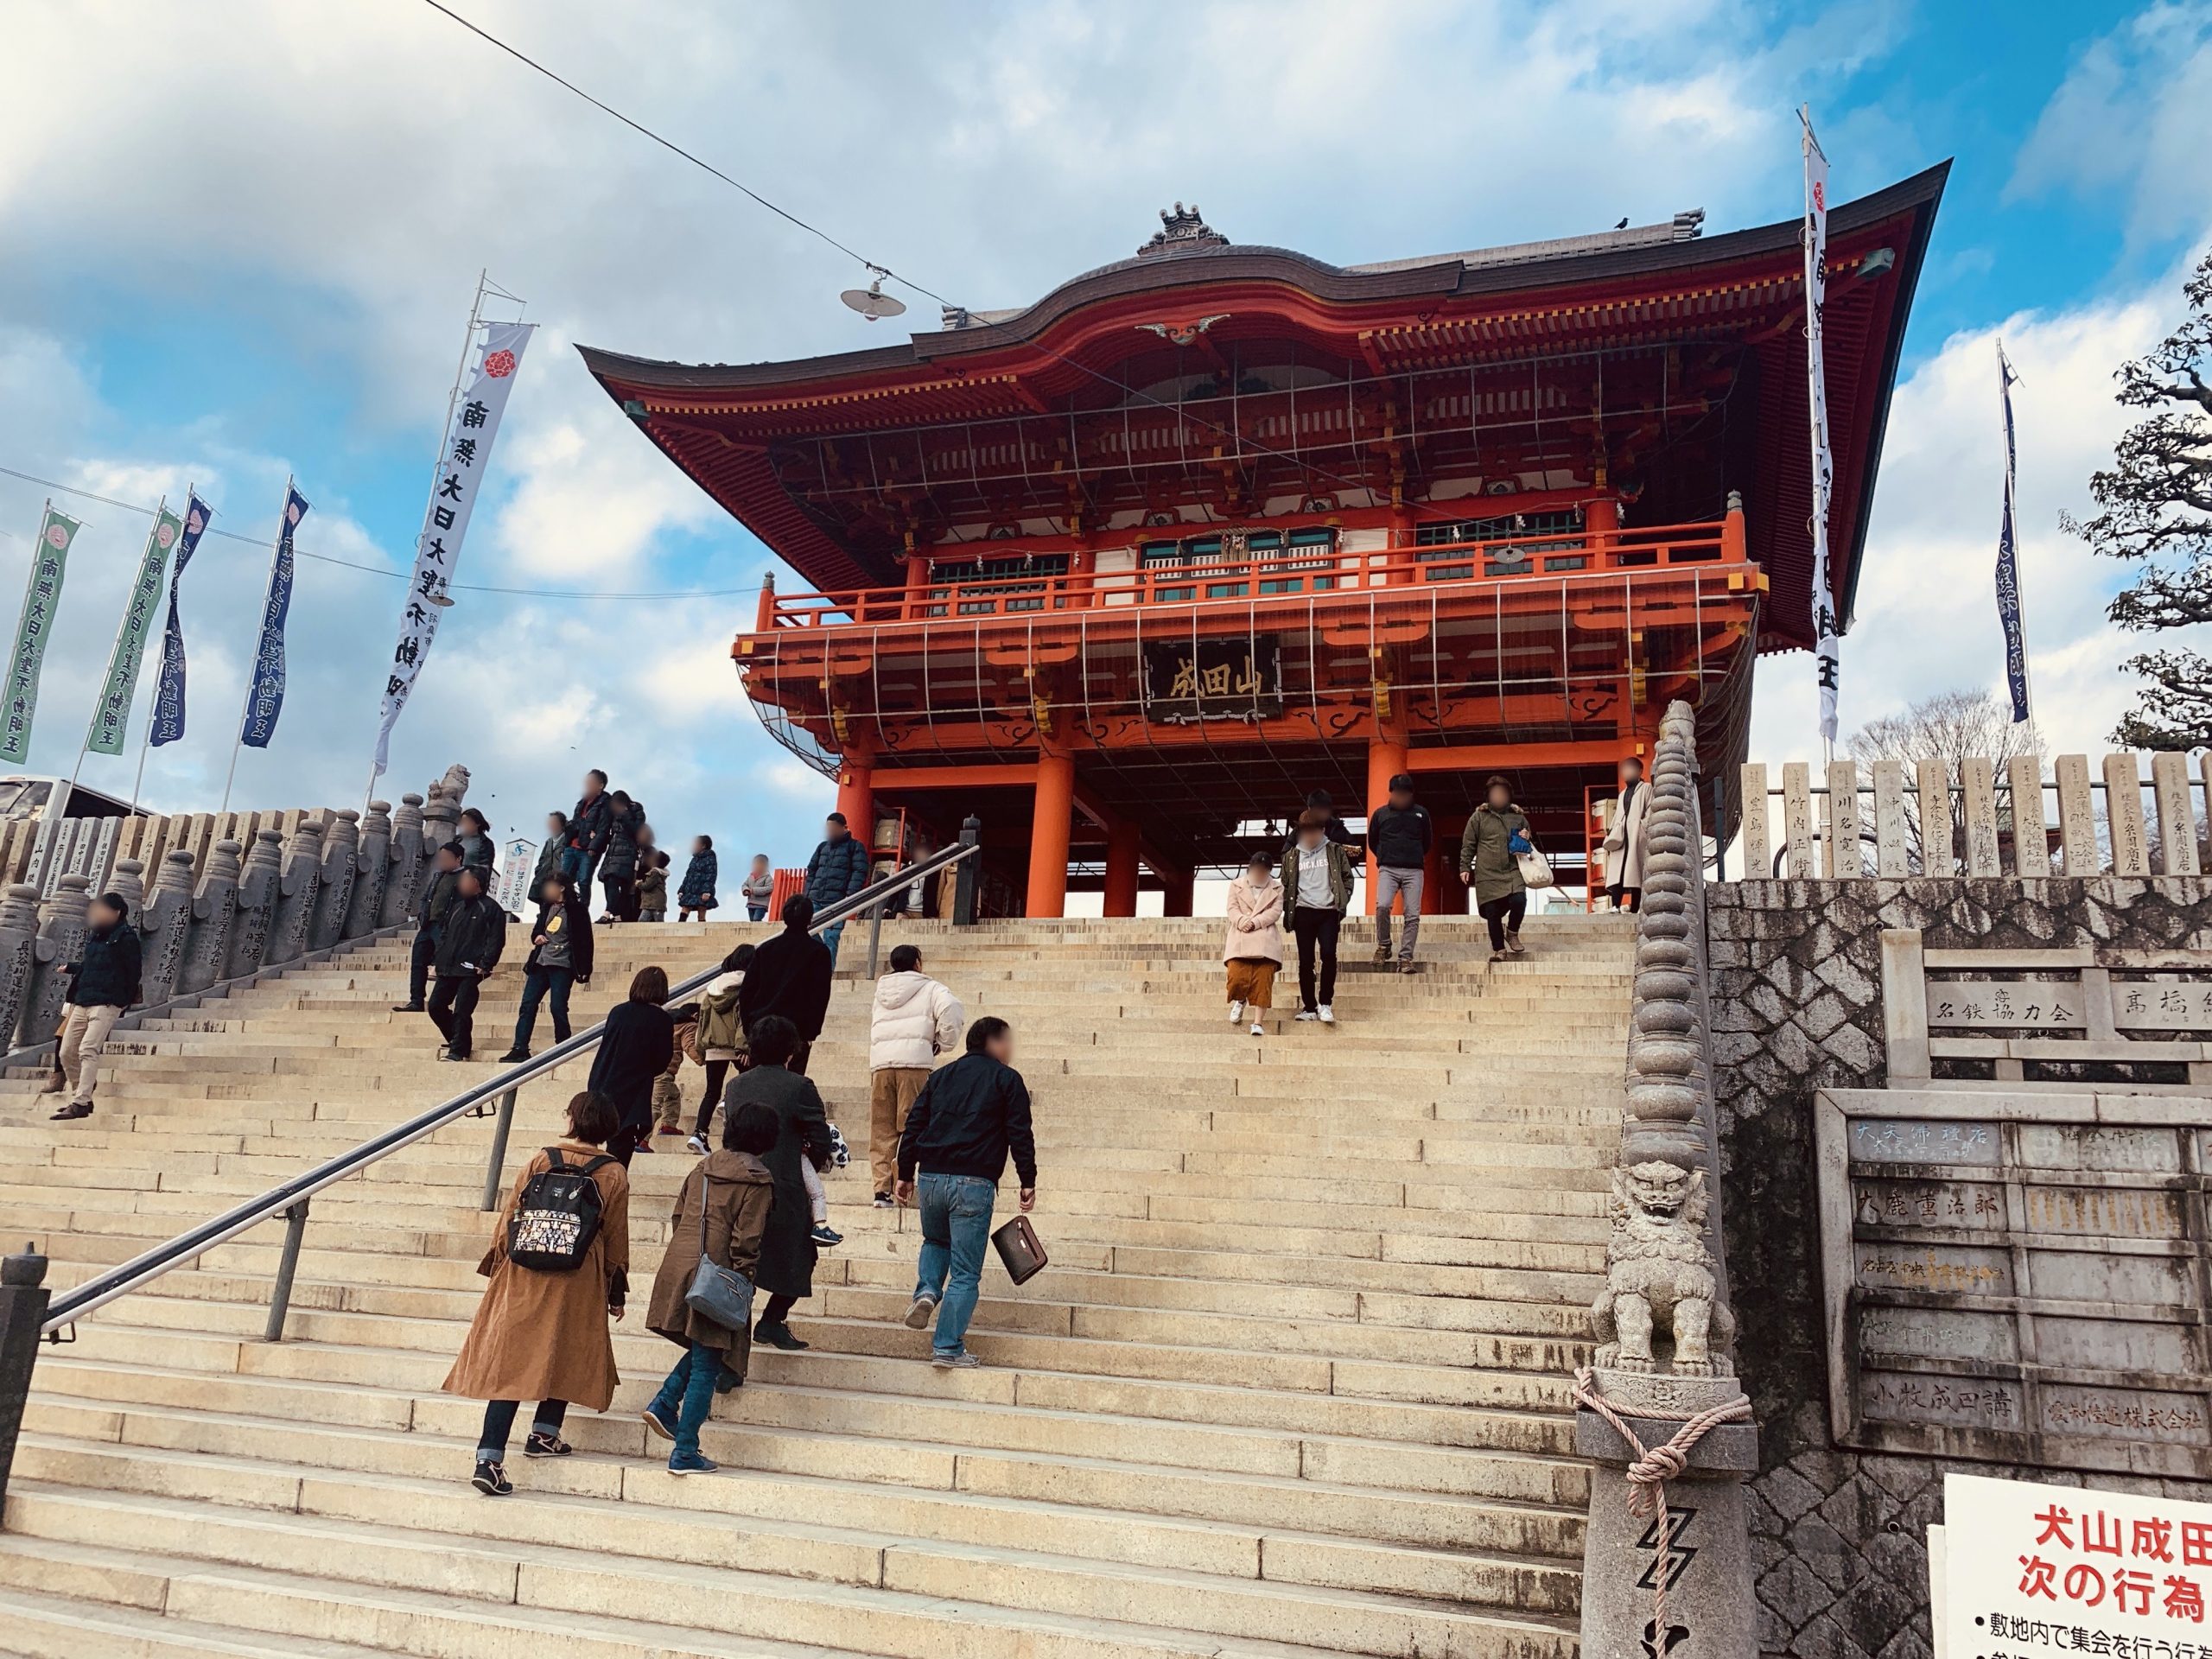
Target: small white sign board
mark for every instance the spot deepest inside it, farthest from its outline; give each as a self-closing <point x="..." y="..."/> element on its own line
<point x="2030" y="1571"/>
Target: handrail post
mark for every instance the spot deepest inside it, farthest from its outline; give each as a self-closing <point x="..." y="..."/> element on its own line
<point x="964" y="884"/>
<point x="497" y="1166"/>
<point x="874" y="937"/>
<point x="24" y="1297"/>
<point x="280" y="1298"/>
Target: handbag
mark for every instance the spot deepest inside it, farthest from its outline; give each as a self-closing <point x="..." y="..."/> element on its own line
<point x="722" y="1294"/>
<point x="1535" y="869"/>
<point x="1020" y="1251"/>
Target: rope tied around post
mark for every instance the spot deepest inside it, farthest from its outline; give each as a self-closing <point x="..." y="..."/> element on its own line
<point x="1655" y="1467"/>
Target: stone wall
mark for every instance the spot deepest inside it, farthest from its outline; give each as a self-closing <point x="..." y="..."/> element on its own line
<point x="1838" y="1535"/>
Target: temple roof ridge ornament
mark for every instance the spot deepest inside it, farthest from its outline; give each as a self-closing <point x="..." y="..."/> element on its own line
<point x="1182" y="231"/>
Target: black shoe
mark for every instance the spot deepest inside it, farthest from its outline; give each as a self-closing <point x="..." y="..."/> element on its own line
<point x="410" y="1008"/>
<point x="448" y="1054"/>
<point x="726" y="1380"/>
<point x="514" y="1057"/>
<point x="491" y="1479"/>
<point x="71" y="1113"/>
<point x="546" y="1446"/>
<point x="779" y="1336"/>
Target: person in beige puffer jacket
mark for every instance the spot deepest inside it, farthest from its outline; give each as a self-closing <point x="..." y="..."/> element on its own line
<point x="915" y="1020"/>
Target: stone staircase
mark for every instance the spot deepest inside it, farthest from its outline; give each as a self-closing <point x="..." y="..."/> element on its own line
<point x="1294" y="1384"/>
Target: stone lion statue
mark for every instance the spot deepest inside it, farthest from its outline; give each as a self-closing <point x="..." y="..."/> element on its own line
<point x="1658" y="1272"/>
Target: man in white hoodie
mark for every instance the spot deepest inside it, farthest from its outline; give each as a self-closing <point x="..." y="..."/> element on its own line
<point x="915" y="1020"/>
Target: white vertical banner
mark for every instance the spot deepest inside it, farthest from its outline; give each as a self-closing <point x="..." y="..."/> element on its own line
<point x="1828" y="650"/>
<point x="470" y="428"/>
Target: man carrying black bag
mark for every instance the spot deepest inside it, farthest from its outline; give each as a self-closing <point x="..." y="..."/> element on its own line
<point x="960" y="1130"/>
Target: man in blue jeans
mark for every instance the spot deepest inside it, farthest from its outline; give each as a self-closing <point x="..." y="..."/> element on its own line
<point x="969" y="1116"/>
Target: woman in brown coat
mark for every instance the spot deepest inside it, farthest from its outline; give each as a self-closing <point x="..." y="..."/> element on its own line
<point x="737" y="1192"/>
<point x="542" y="1336"/>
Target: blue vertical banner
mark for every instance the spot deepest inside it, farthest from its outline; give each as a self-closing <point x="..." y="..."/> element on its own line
<point x="2008" y="559"/>
<point x="265" y="701"/>
<point x="168" y="690"/>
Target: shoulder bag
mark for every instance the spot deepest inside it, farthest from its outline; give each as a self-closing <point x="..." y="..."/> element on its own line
<point x="1535" y="869"/>
<point x="722" y="1294"/>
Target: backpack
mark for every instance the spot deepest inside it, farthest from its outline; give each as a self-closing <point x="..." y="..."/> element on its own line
<point x="557" y="1216"/>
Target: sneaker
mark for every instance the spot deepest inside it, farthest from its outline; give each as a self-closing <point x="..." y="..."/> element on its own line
<point x="1383" y="951"/>
<point x="779" y="1336"/>
<point x="827" y="1236"/>
<point x="1259" y="1030"/>
<point x="1236" y="1012"/>
<point x="920" y="1315"/>
<point x="654" y="1421"/>
<point x="690" y="1463"/>
<point x="71" y="1112"/>
<point x="697" y="1144"/>
<point x="1308" y="1014"/>
<point x="962" y="1361"/>
<point x="514" y="1057"/>
<point x="1325" y="1014"/>
<point x="645" y="1144"/>
<point x="546" y="1446"/>
<point x="669" y="1128"/>
<point x="1406" y="965"/>
<point x="491" y="1479"/>
<point x="884" y="1201"/>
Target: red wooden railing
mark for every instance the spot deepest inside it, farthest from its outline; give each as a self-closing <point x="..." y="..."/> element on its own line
<point x="1287" y="574"/>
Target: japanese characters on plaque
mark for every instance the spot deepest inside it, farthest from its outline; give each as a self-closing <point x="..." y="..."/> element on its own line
<point x="2033" y="1570"/>
<point x="1191" y="680"/>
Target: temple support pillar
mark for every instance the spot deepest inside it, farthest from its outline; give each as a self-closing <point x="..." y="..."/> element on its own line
<point x="1177" y="891"/>
<point x="1386" y="758"/>
<point x="1049" y="831"/>
<point x="856" y="799"/>
<point x="1124" y="859"/>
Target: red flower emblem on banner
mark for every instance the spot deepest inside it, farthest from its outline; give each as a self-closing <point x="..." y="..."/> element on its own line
<point x="163" y="535"/>
<point x="499" y="364"/>
<point x="56" y="537"/>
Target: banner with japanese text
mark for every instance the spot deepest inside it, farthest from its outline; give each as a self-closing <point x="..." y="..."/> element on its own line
<point x="168" y="686"/>
<point x="1827" y="649"/>
<point x="467" y="454"/>
<point x="41" y="597"/>
<point x="111" y="713"/>
<point x="265" y="701"/>
<point x="2008" y="561"/>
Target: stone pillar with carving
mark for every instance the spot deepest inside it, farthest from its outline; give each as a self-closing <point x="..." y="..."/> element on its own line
<point x="334" y="889"/>
<point x="1663" y="1323"/>
<point x="372" y="864"/>
<point x="164" y="922"/>
<point x="440" y="819"/>
<point x="18" y="946"/>
<point x="302" y="878"/>
<point x="403" y="871"/>
<point x="256" y="910"/>
<point x="207" y="948"/>
<point x="60" y="942"/>
<point x="127" y="881"/>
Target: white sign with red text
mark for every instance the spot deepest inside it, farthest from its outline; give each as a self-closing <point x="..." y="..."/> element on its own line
<point x="2033" y="1571"/>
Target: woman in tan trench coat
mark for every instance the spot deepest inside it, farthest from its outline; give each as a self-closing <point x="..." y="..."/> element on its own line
<point x="737" y="1191"/>
<point x="542" y="1336"/>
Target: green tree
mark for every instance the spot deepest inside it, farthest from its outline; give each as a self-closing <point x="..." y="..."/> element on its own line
<point x="2155" y="510"/>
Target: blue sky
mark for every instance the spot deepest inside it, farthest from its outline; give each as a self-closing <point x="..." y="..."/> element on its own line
<point x="241" y="238"/>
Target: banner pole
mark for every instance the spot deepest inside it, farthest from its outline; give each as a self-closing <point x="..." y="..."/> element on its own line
<point x="146" y="737"/>
<point x="122" y="623"/>
<point x="252" y="678"/>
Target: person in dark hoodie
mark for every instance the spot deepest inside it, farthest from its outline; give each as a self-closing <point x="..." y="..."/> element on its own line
<point x="103" y="982"/>
<point x="1399" y="833"/>
<point x="639" y="1041"/>
<point x="788" y="1251"/>
<point x="790" y="976"/>
<point x="588" y="830"/>
<point x="618" y="870"/>
<point x="1334" y="829"/>
<point x="559" y="959"/>
<point x="969" y="1116"/>
<point x="837" y="870"/>
<point x="469" y="942"/>
<point x="445" y="880"/>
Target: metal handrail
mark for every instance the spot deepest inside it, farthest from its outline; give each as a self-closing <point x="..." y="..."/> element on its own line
<point x="291" y="1197"/>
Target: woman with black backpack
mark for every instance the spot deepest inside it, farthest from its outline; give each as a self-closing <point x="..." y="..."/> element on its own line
<point x="559" y="1266"/>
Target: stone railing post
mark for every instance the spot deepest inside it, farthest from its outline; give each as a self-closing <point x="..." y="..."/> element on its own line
<point x="335" y="887"/>
<point x="207" y="951"/>
<point x="404" y="872"/>
<point x="1663" y="1322"/>
<point x="18" y="947"/>
<point x="251" y="919"/>
<point x="60" y="942"/>
<point x="127" y="881"/>
<point x="372" y="863"/>
<point x="295" y="892"/>
<point x="163" y="923"/>
<point x="441" y="820"/>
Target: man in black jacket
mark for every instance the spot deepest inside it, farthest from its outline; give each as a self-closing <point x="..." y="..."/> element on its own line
<point x="589" y="827"/>
<point x="445" y="876"/>
<point x="790" y="976"/>
<point x="838" y="869"/>
<point x="969" y="1116"/>
<point x="103" y="982"/>
<point x="469" y="942"/>
<point x="1399" y="835"/>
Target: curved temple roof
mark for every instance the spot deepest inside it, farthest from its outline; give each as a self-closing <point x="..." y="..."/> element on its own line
<point x="1632" y="289"/>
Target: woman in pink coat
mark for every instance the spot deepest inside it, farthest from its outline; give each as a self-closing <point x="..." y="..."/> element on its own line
<point x="1252" y="950"/>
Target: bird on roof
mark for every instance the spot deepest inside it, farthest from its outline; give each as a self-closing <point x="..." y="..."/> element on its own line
<point x="1623" y="225"/>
